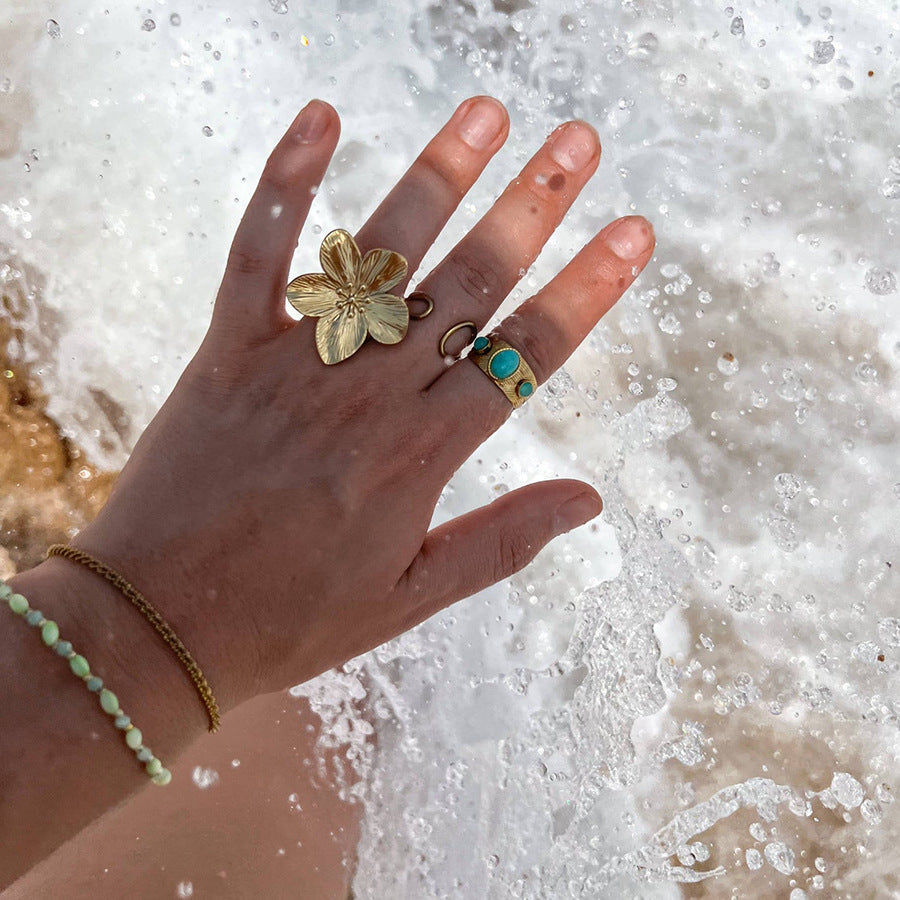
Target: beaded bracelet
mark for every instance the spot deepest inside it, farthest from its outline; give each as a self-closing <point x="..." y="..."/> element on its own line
<point x="79" y="665"/>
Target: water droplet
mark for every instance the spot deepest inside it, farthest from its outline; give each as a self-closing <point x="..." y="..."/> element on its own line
<point x="175" y="19"/>
<point x="204" y="778"/>
<point x="670" y="325"/>
<point x="727" y="364"/>
<point x="866" y="373"/>
<point x="754" y="859"/>
<point x="207" y="131"/>
<point x="648" y="43"/>
<point x="823" y="52"/>
<point x="185" y="889"/>
<point x="329" y="40"/>
<point x="787" y="485"/>
<point x="148" y="25"/>
<point x="889" y="631"/>
<point x="279" y="6"/>
<point x="666" y="385"/>
<point x="53" y="28"/>
<point x="780" y="857"/>
<point x="847" y="790"/>
<point x="737" y="26"/>
<point x="881" y="281"/>
<point x="681" y="79"/>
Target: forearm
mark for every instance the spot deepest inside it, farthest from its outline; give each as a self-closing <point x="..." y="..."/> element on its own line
<point x="63" y="763"/>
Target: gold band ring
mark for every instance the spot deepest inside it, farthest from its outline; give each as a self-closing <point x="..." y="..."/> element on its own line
<point x="421" y="295"/>
<point x="442" y="346"/>
<point x="505" y="366"/>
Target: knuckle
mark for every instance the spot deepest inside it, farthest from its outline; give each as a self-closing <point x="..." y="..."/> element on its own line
<point x="514" y="552"/>
<point x="477" y="275"/>
<point x="247" y="261"/>
<point x="536" y="349"/>
<point x="441" y="172"/>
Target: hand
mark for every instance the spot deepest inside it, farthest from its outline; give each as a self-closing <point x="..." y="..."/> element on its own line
<point x="276" y="510"/>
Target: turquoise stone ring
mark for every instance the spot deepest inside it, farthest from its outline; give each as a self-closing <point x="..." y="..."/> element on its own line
<point x="506" y="367"/>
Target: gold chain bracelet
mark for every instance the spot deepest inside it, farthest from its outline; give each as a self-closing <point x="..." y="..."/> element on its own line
<point x="155" y="619"/>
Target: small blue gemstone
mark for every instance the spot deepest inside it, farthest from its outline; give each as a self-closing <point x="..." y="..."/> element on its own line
<point x="481" y="344"/>
<point x="34" y="617"/>
<point x="94" y="683"/>
<point x="525" y="388"/>
<point x="145" y="754"/>
<point x="63" y="648"/>
<point x="123" y="721"/>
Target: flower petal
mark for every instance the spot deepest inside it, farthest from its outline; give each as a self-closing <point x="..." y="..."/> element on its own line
<point x="340" y="257"/>
<point x="340" y="334"/>
<point x="387" y="317"/>
<point x="313" y="294"/>
<point x="381" y="270"/>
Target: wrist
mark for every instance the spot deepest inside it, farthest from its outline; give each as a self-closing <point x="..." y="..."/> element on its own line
<point x="122" y="649"/>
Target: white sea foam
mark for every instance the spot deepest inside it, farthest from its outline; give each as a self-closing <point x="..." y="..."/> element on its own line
<point x="574" y="732"/>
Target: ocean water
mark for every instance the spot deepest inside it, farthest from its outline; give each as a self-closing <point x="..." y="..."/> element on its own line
<point x="696" y="696"/>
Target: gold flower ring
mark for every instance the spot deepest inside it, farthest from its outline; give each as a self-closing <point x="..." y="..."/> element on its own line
<point x="351" y="298"/>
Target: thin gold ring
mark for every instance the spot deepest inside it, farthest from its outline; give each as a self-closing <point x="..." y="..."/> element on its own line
<point x="442" y="346"/>
<point x="421" y="295"/>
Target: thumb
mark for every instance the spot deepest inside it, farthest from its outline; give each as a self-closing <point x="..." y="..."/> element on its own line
<point x="482" y="547"/>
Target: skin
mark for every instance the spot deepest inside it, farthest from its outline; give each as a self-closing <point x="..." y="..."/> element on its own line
<point x="276" y="511"/>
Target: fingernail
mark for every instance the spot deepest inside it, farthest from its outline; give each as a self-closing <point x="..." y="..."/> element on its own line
<point x="574" y="145"/>
<point x="312" y="122"/>
<point x="630" y="237"/>
<point x="578" y="510"/>
<point x="482" y="123"/>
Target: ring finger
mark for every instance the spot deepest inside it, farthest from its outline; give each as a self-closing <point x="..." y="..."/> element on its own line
<point x="545" y="330"/>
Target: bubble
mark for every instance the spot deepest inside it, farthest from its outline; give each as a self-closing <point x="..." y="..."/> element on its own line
<point x="53" y="28"/>
<point x="823" y="52"/>
<point x="148" y="25"/>
<point x="666" y="385"/>
<point x="493" y="861"/>
<point x="737" y="26"/>
<point x="881" y="281"/>
<point x="780" y="857"/>
<point x="847" y="790"/>
<point x="727" y="364"/>
<point x="329" y="40"/>
<point x="207" y="131"/>
<point x="175" y="19"/>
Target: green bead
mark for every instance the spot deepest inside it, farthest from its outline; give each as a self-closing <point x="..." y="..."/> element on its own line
<point x="109" y="701"/>
<point x="79" y="665"/>
<point x="50" y="633"/>
<point x="18" y="604"/>
<point x="154" y="766"/>
<point x="481" y="344"/>
<point x="164" y="776"/>
<point x="524" y="388"/>
<point x="34" y="617"/>
<point x="5" y="590"/>
<point x="94" y="683"/>
<point x="504" y="363"/>
<point x="133" y="738"/>
<point x="63" y="648"/>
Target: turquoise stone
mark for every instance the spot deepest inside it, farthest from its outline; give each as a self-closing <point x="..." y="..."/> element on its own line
<point x="34" y="617"/>
<point x="94" y="683"/>
<point x="481" y="344"/>
<point x="63" y="648"/>
<point x="504" y="363"/>
<point x="525" y="388"/>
